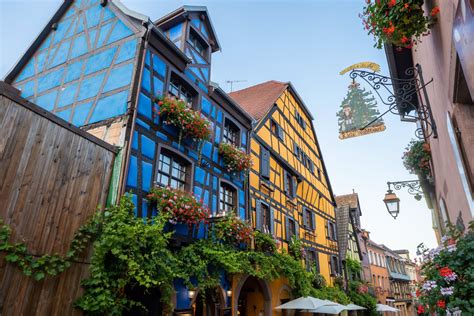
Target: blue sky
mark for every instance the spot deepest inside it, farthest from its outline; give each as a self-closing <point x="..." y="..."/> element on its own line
<point x="307" y="43"/>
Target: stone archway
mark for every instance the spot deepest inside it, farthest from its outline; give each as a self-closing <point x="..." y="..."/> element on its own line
<point x="252" y="297"/>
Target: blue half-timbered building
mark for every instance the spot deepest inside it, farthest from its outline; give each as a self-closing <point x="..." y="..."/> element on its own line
<point x="101" y="66"/>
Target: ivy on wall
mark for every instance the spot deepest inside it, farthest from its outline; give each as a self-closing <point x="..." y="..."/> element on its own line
<point x="135" y="252"/>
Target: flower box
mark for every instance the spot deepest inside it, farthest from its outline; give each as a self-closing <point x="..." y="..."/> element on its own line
<point x="180" y="206"/>
<point x="417" y="159"/>
<point x="398" y="22"/>
<point x="235" y="159"/>
<point x="189" y="122"/>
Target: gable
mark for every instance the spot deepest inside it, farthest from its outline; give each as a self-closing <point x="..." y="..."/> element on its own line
<point x="82" y="70"/>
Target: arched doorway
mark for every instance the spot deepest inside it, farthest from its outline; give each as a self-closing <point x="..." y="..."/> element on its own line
<point x="211" y="303"/>
<point x="284" y="297"/>
<point x="253" y="297"/>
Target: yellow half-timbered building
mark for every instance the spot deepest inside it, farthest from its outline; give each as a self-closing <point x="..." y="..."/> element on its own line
<point x="290" y="193"/>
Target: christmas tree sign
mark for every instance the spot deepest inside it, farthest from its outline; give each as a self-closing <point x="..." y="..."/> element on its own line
<point x="358" y="114"/>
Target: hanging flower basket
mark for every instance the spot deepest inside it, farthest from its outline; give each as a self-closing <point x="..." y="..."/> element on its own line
<point x="417" y="158"/>
<point x="181" y="206"/>
<point x="235" y="159"/>
<point x="398" y="22"/>
<point x="190" y="122"/>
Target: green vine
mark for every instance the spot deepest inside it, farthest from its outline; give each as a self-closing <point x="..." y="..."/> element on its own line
<point x="131" y="252"/>
<point x="46" y="265"/>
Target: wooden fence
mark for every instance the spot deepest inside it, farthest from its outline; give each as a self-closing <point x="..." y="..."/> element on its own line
<point x="53" y="176"/>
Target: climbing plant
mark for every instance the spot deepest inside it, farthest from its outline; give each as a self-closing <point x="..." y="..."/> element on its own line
<point x="46" y="265"/>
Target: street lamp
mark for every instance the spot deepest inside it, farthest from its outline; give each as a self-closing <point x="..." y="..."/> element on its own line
<point x="393" y="203"/>
<point x="191" y="294"/>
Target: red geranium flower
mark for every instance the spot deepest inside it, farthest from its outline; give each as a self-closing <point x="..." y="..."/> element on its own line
<point x="434" y="11"/>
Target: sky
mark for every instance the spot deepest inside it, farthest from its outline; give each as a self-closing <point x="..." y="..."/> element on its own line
<point x="307" y="42"/>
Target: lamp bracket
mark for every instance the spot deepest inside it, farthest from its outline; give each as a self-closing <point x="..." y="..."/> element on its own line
<point x="402" y="94"/>
<point x="413" y="186"/>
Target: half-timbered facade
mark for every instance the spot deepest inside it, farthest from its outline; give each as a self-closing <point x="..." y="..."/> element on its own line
<point x="103" y="67"/>
<point x="290" y="193"/>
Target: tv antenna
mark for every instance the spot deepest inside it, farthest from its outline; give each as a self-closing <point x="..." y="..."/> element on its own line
<point x="232" y="83"/>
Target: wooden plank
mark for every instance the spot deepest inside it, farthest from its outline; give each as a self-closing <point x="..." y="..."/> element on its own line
<point x="52" y="180"/>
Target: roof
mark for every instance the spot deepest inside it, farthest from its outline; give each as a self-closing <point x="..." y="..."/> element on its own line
<point x="179" y="14"/>
<point x="348" y="199"/>
<point x="257" y="100"/>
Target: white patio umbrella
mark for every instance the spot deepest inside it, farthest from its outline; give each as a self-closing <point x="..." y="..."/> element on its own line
<point x="307" y="302"/>
<point x="386" y="308"/>
<point x="354" y="307"/>
<point x="328" y="309"/>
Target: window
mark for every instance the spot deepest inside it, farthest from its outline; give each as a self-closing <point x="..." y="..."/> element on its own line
<point x="179" y="91"/>
<point x="300" y="120"/>
<point x="266" y="218"/>
<point x="264" y="163"/>
<point x="231" y="133"/>
<point x="308" y="218"/>
<point x="289" y="184"/>
<point x="334" y="265"/>
<point x="331" y="231"/>
<point x="319" y="173"/>
<point x="197" y="43"/>
<point x="291" y="228"/>
<point x="173" y="171"/>
<point x="227" y="198"/>
<point x="312" y="260"/>
<point x="460" y="163"/>
<point x="276" y="130"/>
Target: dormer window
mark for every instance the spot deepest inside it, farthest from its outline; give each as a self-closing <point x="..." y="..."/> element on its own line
<point x="177" y="89"/>
<point x="231" y="133"/>
<point x="198" y="44"/>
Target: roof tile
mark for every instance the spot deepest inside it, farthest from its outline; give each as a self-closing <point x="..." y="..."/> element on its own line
<point x="258" y="99"/>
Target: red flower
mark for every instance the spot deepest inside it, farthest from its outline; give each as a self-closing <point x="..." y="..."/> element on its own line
<point x="421" y="309"/>
<point x="445" y="271"/>
<point x="391" y="3"/>
<point x="441" y="304"/>
<point x="406" y="5"/>
<point x="404" y="39"/>
<point x="434" y="11"/>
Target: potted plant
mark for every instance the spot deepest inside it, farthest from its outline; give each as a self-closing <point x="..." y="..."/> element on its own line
<point x="296" y="248"/>
<point x="182" y="206"/>
<point x="189" y="122"/>
<point x="417" y="158"/>
<point x="401" y="23"/>
<point x="235" y="159"/>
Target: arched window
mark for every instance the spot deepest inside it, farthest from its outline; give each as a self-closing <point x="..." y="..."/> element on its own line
<point x="173" y="170"/>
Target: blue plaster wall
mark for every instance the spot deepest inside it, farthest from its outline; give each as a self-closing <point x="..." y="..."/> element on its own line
<point x="83" y="69"/>
<point x="150" y="132"/>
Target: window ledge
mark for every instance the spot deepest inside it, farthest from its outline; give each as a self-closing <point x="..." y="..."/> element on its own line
<point x="291" y="201"/>
<point x="267" y="185"/>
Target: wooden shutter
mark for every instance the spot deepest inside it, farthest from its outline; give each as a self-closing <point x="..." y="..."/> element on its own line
<point x="258" y="214"/>
<point x="281" y="134"/>
<point x="305" y="217"/>
<point x="287" y="229"/>
<point x="286" y="185"/>
<point x="326" y="226"/>
<point x="303" y="123"/>
<point x="265" y="163"/>
<point x="313" y="221"/>
<point x="295" y="148"/>
<point x="295" y="186"/>
<point x="297" y="229"/>
<point x="272" y="221"/>
<point x="334" y="231"/>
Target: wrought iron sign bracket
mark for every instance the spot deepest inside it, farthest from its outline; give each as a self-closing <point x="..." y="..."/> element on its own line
<point x="401" y="96"/>
<point x="413" y="186"/>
